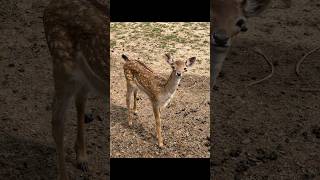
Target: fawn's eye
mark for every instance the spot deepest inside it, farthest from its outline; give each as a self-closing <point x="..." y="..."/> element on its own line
<point x="173" y="67"/>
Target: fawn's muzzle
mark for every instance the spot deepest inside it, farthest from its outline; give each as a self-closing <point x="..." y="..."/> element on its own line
<point x="220" y="39"/>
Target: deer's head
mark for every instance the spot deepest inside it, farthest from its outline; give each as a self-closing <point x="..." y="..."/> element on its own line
<point x="179" y="67"/>
<point x="229" y="18"/>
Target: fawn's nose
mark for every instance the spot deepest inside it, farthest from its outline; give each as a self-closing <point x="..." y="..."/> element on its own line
<point x="220" y="38"/>
<point x="178" y="74"/>
<point x="241" y="23"/>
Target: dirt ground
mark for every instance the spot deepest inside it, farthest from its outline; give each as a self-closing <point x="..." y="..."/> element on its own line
<point x="27" y="149"/>
<point x="186" y="118"/>
<point x="270" y="130"/>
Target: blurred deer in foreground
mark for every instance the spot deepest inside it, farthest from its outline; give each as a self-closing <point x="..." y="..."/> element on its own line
<point x="77" y="34"/>
<point x="159" y="90"/>
<point x="229" y="18"/>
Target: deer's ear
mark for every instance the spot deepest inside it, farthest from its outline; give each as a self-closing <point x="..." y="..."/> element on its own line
<point x="254" y="7"/>
<point x="169" y="59"/>
<point x="190" y="61"/>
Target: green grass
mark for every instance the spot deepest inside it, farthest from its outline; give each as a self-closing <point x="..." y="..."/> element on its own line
<point x="163" y="36"/>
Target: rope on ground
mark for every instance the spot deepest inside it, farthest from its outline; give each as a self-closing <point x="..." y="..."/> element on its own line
<point x="303" y="58"/>
<point x="258" y="51"/>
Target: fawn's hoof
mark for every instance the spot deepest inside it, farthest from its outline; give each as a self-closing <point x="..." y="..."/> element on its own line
<point x="83" y="166"/>
<point x="161" y="145"/>
<point x="88" y="118"/>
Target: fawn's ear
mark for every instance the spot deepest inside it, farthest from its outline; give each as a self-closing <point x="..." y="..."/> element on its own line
<point x="125" y="57"/>
<point x="169" y="59"/>
<point x="254" y="7"/>
<point x="190" y="61"/>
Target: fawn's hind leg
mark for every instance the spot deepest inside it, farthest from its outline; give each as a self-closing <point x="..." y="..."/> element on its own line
<point x="80" y="145"/>
<point x="128" y="99"/>
<point x="217" y="64"/>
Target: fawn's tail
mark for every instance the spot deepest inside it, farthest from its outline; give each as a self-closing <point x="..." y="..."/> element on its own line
<point x="125" y="57"/>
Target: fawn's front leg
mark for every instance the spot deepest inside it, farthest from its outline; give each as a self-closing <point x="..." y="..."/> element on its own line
<point x="156" y="111"/>
<point x="217" y="62"/>
<point x="135" y="112"/>
<point x="60" y="104"/>
<point x="80" y="145"/>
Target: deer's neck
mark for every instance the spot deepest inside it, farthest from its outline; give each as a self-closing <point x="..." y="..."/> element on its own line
<point x="172" y="83"/>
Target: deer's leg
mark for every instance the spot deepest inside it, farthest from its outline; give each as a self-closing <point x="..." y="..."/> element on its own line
<point x="156" y="112"/>
<point x="62" y="51"/>
<point x="128" y="99"/>
<point x="217" y="59"/>
<point x="135" y="102"/>
<point x="60" y="104"/>
<point x="217" y="70"/>
<point x="80" y="145"/>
